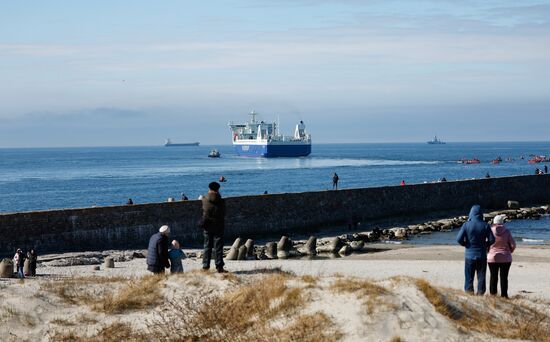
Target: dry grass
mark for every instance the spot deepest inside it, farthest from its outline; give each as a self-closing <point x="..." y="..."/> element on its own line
<point x="371" y="294"/>
<point x="131" y="295"/>
<point x="134" y="295"/>
<point x="396" y="339"/>
<point x="509" y="319"/>
<point x="311" y="328"/>
<point x="247" y="313"/>
<point x="115" y="332"/>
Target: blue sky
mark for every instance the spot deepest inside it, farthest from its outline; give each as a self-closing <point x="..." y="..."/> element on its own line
<point x="76" y="73"/>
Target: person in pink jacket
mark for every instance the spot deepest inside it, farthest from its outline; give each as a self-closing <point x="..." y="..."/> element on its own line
<point x="500" y="256"/>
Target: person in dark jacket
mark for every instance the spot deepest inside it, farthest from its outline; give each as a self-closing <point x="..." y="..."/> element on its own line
<point x="213" y="225"/>
<point x="476" y="236"/>
<point x="157" y="252"/>
<point x="335" y="180"/>
<point x="31" y="255"/>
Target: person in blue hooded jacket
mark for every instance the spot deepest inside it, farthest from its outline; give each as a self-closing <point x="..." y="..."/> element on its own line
<point x="476" y="236"/>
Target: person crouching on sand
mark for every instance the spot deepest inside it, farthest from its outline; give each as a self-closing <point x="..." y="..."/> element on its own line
<point x="176" y="255"/>
<point x="476" y="236"/>
<point x="157" y="252"/>
<point x="500" y="256"/>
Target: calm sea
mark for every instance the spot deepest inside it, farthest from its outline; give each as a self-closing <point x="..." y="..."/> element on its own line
<point x="45" y="178"/>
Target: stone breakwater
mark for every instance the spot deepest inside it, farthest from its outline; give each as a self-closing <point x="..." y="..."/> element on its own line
<point x="130" y="226"/>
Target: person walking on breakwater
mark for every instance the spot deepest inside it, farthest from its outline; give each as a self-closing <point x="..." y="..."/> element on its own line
<point x="157" y="252"/>
<point x="403" y="182"/>
<point x="19" y="262"/>
<point x="176" y="255"/>
<point x="335" y="180"/>
<point x="545" y="169"/>
<point x="500" y="256"/>
<point x="31" y="255"/>
<point x="213" y="225"/>
<point x="476" y="236"/>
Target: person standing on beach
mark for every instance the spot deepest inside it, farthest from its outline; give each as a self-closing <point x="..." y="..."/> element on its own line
<point x="176" y="255"/>
<point x="213" y="225"/>
<point x="500" y="256"/>
<point x="476" y="236"/>
<point x="19" y="261"/>
<point x="157" y="252"/>
<point x="335" y="179"/>
<point x="31" y="255"/>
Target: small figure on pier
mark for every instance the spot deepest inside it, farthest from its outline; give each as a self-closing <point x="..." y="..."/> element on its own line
<point x="335" y="180"/>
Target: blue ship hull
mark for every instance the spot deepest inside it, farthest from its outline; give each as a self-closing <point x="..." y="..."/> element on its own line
<point x="271" y="151"/>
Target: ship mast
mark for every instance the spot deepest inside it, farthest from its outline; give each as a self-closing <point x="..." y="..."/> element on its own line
<point x="253" y="114"/>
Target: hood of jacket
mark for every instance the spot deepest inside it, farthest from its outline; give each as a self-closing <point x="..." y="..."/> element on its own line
<point x="213" y="197"/>
<point x="499" y="229"/>
<point x="475" y="213"/>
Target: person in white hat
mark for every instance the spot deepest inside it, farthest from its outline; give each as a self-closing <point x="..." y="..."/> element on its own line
<point x="499" y="257"/>
<point x="157" y="252"/>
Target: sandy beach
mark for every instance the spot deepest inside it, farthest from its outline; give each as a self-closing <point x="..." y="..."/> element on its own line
<point x="43" y="308"/>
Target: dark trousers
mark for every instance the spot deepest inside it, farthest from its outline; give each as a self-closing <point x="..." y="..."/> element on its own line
<point x="471" y="268"/>
<point x="213" y="240"/>
<point x="495" y="268"/>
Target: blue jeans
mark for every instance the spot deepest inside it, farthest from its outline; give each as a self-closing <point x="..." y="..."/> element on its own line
<point x="471" y="267"/>
<point x="20" y="272"/>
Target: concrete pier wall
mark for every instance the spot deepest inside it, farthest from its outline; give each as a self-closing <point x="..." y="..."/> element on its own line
<point x="130" y="226"/>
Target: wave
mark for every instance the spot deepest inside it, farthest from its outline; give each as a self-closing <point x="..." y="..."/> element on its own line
<point x="203" y="166"/>
<point x="532" y="241"/>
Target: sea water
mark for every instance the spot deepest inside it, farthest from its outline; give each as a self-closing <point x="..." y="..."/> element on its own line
<point x="46" y="178"/>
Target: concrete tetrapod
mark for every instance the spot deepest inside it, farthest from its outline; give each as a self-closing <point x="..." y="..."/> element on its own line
<point x="242" y="253"/>
<point x="27" y="267"/>
<point x="234" y="251"/>
<point x="6" y="268"/>
<point x="333" y="246"/>
<point x="271" y="250"/>
<point x="109" y="262"/>
<point x="345" y="250"/>
<point x="250" y="249"/>
<point x="283" y="247"/>
<point x="311" y="246"/>
<point x="357" y="246"/>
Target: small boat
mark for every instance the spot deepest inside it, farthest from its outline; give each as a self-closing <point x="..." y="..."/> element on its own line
<point x="214" y="154"/>
<point x="496" y="161"/>
<point x="469" y="161"/>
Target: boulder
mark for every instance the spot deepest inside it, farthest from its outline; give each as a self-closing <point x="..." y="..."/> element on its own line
<point x="96" y="268"/>
<point x="512" y="204"/>
<point x="345" y="250"/>
<point x="109" y="262"/>
<point x="237" y="243"/>
<point x="249" y="244"/>
<point x="357" y="246"/>
<point x="400" y="233"/>
<point x="6" y="268"/>
<point x="271" y="250"/>
<point x="243" y="251"/>
<point x="310" y="247"/>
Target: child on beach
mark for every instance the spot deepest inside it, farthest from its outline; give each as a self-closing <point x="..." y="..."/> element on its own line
<point x="176" y="255"/>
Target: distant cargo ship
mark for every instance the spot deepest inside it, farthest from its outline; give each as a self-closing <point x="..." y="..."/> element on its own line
<point x="436" y="141"/>
<point x="169" y="143"/>
<point x="262" y="139"/>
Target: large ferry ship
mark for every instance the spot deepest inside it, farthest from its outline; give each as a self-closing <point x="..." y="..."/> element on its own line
<point x="169" y="143"/>
<point x="262" y="139"/>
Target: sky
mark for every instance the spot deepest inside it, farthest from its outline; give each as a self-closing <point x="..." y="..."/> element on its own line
<point x="132" y="72"/>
